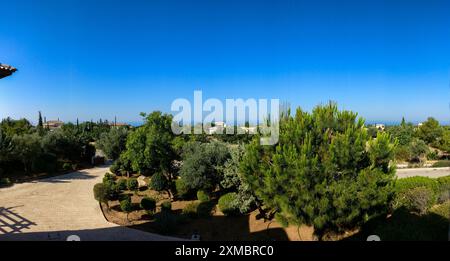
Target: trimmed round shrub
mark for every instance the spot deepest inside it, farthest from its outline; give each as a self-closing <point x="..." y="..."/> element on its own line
<point x="122" y="184"/>
<point x="113" y="192"/>
<point x="159" y="182"/>
<point x="132" y="184"/>
<point x="190" y="210"/>
<point x="101" y="193"/>
<point x="419" y="200"/>
<point x="227" y="204"/>
<point x="126" y="205"/>
<point x="115" y="168"/>
<point x="148" y="204"/>
<point x="166" y="206"/>
<point x="202" y="196"/>
<point x="108" y="177"/>
<point x="182" y="189"/>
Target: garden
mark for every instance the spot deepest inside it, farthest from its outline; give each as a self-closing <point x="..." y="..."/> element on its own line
<point x="327" y="179"/>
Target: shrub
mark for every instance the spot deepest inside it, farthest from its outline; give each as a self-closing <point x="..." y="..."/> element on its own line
<point x="441" y="164"/>
<point x="190" y="210"/>
<point x="182" y="189"/>
<point x="108" y="177"/>
<point x="101" y="193"/>
<point x="419" y="199"/>
<point x="67" y="166"/>
<point x="4" y="182"/>
<point x="122" y="184"/>
<point x="202" y="196"/>
<point x="432" y="155"/>
<point x="112" y="189"/>
<point x="159" y="182"/>
<point x="402" y="153"/>
<point x="115" y="168"/>
<point x="148" y="204"/>
<point x="444" y="189"/>
<point x="442" y="210"/>
<point x="166" y="206"/>
<point x="126" y="206"/>
<point x="402" y="185"/>
<point x="132" y="184"/>
<point x="227" y="204"/>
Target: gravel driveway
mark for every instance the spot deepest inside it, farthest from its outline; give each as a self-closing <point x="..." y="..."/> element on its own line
<point x="55" y="208"/>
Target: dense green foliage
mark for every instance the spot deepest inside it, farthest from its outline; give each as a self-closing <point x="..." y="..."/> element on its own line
<point x="159" y="182"/>
<point x="25" y="149"/>
<point x="233" y="180"/>
<point x="101" y="193"/>
<point x="201" y="165"/>
<point x="112" y="143"/>
<point x="325" y="172"/>
<point x="149" y="147"/>
<point x="227" y="204"/>
<point x="126" y="205"/>
<point x="148" y="204"/>
<point x="122" y="184"/>
<point x="166" y="205"/>
<point x="412" y="192"/>
<point x="182" y="190"/>
<point x="430" y="132"/>
<point x="202" y="196"/>
<point x="132" y="184"/>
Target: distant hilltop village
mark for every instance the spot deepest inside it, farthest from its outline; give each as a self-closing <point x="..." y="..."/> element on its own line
<point x="56" y="124"/>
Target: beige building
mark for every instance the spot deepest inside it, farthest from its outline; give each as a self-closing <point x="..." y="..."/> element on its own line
<point x="53" y="124"/>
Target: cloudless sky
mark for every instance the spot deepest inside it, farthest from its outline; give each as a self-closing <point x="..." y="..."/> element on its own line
<point x="104" y="58"/>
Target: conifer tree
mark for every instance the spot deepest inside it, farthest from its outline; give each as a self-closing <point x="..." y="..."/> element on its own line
<point x="325" y="172"/>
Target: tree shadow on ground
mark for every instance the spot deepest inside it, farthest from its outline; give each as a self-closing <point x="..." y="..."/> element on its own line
<point x="213" y="228"/>
<point x="11" y="222"/>
<point x="67" y="178"/>
<point x="405" y="226"/>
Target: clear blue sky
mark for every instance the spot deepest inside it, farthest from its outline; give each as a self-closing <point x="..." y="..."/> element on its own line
<point x="101" y="58"/>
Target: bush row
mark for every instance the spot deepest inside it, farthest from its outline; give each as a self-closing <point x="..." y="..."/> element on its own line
<point x="419" y="194"/>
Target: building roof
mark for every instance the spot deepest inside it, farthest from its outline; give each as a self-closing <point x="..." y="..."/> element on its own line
<point x="6" y="70"/>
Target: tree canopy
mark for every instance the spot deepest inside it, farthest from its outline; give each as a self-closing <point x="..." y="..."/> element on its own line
<point x="326" y="171"/>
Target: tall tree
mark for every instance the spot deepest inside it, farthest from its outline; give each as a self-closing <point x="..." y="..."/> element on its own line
<point x="325" y="171"/>
<point x="113" y="143"/>
<point x="431" y="132"/>
<point x="40" y="126"/>
<point x="149" y="147"/>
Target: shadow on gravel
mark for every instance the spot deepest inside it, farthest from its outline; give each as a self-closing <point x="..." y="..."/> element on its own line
<point x="11" y="222"/>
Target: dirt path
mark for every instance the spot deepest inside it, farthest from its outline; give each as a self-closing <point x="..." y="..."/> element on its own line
<point x="424" y="172"/>
<point x="57" y="207"/>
